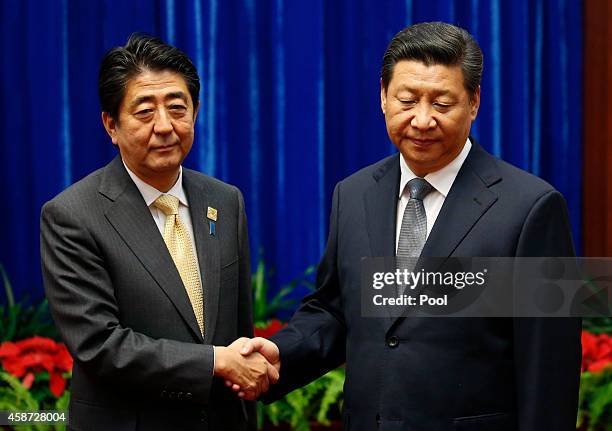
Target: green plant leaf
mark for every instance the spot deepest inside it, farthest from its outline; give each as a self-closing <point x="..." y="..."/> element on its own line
<point x="10" y="298"/>
<point x="62" y="405"/>
<point x="18" y="320"/>
<point x="17" y="393"/>
<point x="265" y="308"/>
<point x="595" y="400"/>
<point x="312" y="402"/>
<point x="332" y="393"/>
<point x="260" y="289"/>
<point x="11" y="325"/>
<point x="600" y="406"/>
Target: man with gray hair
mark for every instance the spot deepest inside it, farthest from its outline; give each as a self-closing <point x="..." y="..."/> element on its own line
<point x="442" y="196"/>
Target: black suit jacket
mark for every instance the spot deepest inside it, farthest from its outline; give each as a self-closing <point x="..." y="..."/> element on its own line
<point x="430" y="374"/>
<point x="140" y="361"/>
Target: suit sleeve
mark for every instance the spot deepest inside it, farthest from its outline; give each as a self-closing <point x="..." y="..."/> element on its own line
<point x="245" y="295"/>
<point x="314" y="340"/>
<point x="547" y="350"/>
<point x="81" y="297"/>
<point x="245" y="292"/>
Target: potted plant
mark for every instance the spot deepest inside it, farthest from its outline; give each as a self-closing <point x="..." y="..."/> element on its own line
<point x="35" y="369"/>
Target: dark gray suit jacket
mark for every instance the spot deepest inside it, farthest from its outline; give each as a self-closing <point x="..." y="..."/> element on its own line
<point x="442" y="374"/>
<point x="140" y="361"/>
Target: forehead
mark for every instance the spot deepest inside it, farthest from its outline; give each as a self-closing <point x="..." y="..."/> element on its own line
<point x="156" y="84"/>
<point x="416" y="75"/>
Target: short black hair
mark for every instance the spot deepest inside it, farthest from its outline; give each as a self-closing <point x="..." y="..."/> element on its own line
<point x="435" y="43"/>
<point x="141" y="53"/>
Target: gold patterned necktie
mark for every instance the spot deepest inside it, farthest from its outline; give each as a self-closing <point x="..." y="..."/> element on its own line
<point x="181" y="249"/>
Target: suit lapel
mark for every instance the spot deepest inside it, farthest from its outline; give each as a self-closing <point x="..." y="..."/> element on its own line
<point x="468" y="200"/>
<point x="380" y="202"/>
<point x="132" y="219"/>
<point x="201" y="196"/>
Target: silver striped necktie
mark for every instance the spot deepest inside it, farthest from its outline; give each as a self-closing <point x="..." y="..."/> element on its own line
<point x="414" y="223"/>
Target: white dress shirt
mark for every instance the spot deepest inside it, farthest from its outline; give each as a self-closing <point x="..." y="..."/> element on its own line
<point x="441" y="180"/>
<point x="150" y="194"/>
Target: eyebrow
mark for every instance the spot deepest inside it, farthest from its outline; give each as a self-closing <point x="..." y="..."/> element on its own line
<point x="415" y="90"/>
<point x="149" y="98"/>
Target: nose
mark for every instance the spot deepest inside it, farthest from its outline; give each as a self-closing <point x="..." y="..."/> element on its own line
<point x="163" y="125"/>
<point x="422" y="118"/>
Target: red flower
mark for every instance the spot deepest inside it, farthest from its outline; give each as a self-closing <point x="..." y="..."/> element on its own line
<point x="270" y="329"/>
<point x="596" y="352"/>
<point x="27" y="357"/>
<point x="28" y="380"/>
<point x="8" y="349"/>
<point x="57" y="384"/>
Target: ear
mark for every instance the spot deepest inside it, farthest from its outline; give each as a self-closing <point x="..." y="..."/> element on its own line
<point x="383" y="98"/>
<point x="475" y="104"/>
<point x="111" y="126"/>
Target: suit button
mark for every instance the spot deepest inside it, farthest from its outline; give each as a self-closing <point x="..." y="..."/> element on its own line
<point x="393" y="341"/>
<point x="188" y="396"/>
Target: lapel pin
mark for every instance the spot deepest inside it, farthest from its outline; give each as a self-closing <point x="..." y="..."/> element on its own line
<point x="211" y="214"/>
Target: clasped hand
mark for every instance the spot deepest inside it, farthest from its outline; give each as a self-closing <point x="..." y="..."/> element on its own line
<point x="248" y="366"/>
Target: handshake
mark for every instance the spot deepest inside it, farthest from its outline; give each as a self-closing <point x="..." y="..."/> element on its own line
<point x="248" y="366"/>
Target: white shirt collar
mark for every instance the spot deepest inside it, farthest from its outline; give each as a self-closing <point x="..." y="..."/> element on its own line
<point x="442" y="179"/>
<point x="150" y="193"/>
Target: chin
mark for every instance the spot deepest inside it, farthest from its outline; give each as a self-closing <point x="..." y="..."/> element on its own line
<point x="175" y="158"/>
<point x="166" y="165"/>
<point x="423" y="156"/>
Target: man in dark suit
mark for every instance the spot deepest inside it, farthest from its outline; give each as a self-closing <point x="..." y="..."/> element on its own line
<point x="146" y="264"/>
<point x="442" y="196"/>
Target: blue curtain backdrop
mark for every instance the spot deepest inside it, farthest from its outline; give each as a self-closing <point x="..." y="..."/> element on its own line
<point x="289" y="102"/>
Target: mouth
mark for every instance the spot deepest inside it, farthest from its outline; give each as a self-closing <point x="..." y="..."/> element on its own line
<point x="422" y="142"/>
<point x="163" y="148"/>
